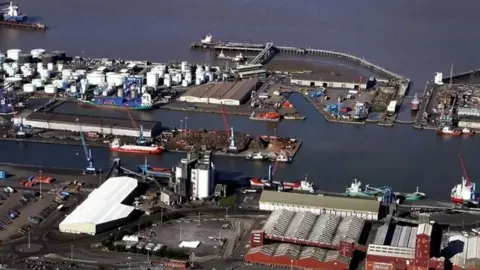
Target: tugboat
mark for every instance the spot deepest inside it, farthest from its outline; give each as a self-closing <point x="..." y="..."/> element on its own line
<point x="468" y="132"/>
<point x="415" y="104"/>
<point x="270" y="116"/>
<point x="282" y="157"/>
<point x="448" y="131"/>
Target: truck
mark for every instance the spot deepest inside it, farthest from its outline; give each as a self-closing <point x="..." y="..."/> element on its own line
<point x="392" y="108"/>
<point x="9" y="190"/>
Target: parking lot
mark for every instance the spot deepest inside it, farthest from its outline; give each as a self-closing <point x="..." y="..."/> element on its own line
<point x="208" y="232"/>
<point x="23" y="210"/>
<point x="247" y="200"/>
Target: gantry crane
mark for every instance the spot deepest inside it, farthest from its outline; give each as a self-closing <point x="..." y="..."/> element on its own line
<point x="232" y="147"/>
<point x="141" y="140"/>
<point x="90" y="169"/>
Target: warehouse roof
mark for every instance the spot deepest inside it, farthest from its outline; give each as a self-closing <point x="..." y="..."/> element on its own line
<point x="321" y="201"/>
<point x="299" y="252"/>
<point x="306" y="226"/>
<point x="470" y="255"/>
<point x="104" y="204"/>
<point x="89" y="120"/>
<point x="329" y="77"/>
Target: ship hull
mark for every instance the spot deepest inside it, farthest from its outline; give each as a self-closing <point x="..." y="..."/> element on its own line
<point x="136" y="108"/>
<point x="136" y="151"/>
<point x="414" y="197"/>
<point x="265" y="119"/>
<point x="448" y="134"/>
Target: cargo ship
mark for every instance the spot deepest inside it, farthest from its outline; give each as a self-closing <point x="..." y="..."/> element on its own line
<point x="117" y="146"/>
<point x="448" y="131"/>
<point x="11" y="17"/>
<point x="465" y="192"/>
<point x="154" y="171"/>
<point x="270" y="116"/>
<point x="415" y="104"/>
<point x="356" y="190"/>
<point x="140" y="103"/>
<point x="301" y="185"/>
<point x="413" y="196"/>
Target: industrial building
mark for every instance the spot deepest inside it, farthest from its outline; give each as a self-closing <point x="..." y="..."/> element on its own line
<point x="195" y="176"/>
<point x="226" y="93"/>
<point x="408" y="248"/>
<point x="101" y="125"/>
<point x="321" y="204"/>
<point x="103" y="209"/>
<point x="307" y="229"/>
<point x="295" y="256"/>
<point x="332" y="80"/>
<point x="467" y="249"/>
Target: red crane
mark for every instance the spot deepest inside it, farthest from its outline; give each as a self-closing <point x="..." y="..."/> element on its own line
<point x="140" y="139"/>
<point x="464" y="170"/>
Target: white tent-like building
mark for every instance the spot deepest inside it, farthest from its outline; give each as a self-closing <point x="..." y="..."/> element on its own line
<point x="103" y="208"/>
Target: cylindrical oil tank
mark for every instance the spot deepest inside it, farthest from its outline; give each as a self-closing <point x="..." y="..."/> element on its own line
<point x="143" y="89"/>
<point x="66" y="74"/>
<point x="58" y="83"/>
<point x="152" y="79"/>
<point x="14" y="54"/>
<point x="37" y="82"/>
<point x="36" y="53"/>
<point x="29" y="88"/>
<point x="2" y="58"/>
<point x="60" y="67"/>
<point x="50" y="66"/>
<point x="199" y="68"/>
<point x="24" y="58"/>
<point x="48" y="58"/>
<point x="167" y="81"/>
<point x="211" y="76"/>
<point x="208" y="69"/>
<point x="198" y="81"/>
<point x="201" y="76"/>
<point x="59" y="55"/>
<point x="184" y="83"/>
<point x="82" y="72"/>
<point x="44" y="74"/>
<point x="50" y="89"/>
<point x="115" y="79"/>
<point x="96" y="78"/>
<point x="133" y="93"/>
<point x="39" y="65"/>
<point x="120" y="92"/>
<point x="15" y="81"/>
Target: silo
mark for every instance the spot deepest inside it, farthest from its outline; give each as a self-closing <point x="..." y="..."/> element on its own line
<point x="14" y="54"/>
<point x="152" y="79"/>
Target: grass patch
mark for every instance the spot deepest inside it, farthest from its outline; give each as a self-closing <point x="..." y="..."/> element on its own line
<point x="228" y="201"/>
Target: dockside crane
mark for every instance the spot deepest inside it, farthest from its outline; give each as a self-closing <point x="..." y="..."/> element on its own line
<point x="232" y="147"/>
<point x="90" y="169"/>
<point x="141" y="140"/>
<point x="465" y="173"/>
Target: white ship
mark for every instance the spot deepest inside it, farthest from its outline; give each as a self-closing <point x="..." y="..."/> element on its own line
<point x="117" y="146"/>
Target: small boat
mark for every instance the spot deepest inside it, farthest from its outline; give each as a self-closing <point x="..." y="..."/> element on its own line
<point x="117" y="146"/>
<point x="271" y="117"/>
<point x="448" y="131"/>
<point x="259" y="182"/>
<point x="415" y="104"/>
<point x="468" y="132"/>
<point x="413" y="196"/>
<point x="282" y="157"/>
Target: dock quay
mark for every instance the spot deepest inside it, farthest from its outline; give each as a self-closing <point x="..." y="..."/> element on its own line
<point x="262" y="49"/>
<point x="31" y="26"/>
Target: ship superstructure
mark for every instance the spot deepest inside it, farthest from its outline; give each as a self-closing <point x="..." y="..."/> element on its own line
<point x="465" y="192"/>
<point x="12" y="14"/>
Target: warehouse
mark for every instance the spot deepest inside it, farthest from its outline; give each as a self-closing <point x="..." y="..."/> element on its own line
<point x="308" y="229"/>
<point x="103" y="209"/>
<point x="295" y="256"/>
<point x="417" y="256"/>
<point x="320" y="204"/>
<point x="222" y="93"/>
<point x="332" y="80"/>
<point x="101" y="125"/>
<point x="468" y="248"/>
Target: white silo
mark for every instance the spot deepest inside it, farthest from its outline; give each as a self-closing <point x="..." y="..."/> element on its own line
<point x="184" y="83"/>
<point x="50" y="89"/>
<point x="73" y="89"/>
<point x="439" y="78"/>
<point x="143" y="89"/>
<point x="84" y="85"/>
<point x="36" y="53"/>
<point x="44" y="74"/>
<point x="184" y="66"/>
<point x="207" y="69"/>
<point x="105" y="93"/>
<point x="14" y="54"/>
<point x="120" y="92"/>
<point x="199" y="68"/>
<point x="60" y="67"/>
<point x="50" y="66"/>
<point x="37" y="82"/>
<point x="29" y="88"/>
<point x="66" y="74"/>
<point x="39" y="65"/>
<point x="198" y="81"/>
<point x="167" y="81"/>
<point x="152" y="79"/>
<point x="211" y="76"/>
<point x="201" y="76"/>
<point x="96" y="78"/>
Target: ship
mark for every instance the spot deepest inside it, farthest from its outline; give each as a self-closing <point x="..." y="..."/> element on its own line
<point x="465" y="192"/>
<point x="117" y="146"/>
<point x="238" y="58"/>
<point x="282" y="157"/>
<point x="12" y="14"/>
<point x="356" y="190"/>
<point x="301" y="185"/>
<point x="256" y="156"/>
<point x="415" y="104"/>
<point x="448" y="131"/>
<point x="271" y="116"/>
<point x="468" y="132"/>
<point x="413" y="196"/>
<point x="140" y="103"/>
<point x="154" y="171"/>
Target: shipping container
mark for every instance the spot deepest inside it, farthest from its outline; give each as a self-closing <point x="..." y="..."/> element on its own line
<point x="3" y="175"/>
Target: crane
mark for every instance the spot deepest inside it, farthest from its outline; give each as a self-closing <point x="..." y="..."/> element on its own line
<point x="232" y="147"/>
<point x="90" y="169"/>
<point x="466" y="175"/>
<point x="141" y="139"/>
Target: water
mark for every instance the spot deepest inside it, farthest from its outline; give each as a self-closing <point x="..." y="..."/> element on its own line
<point x="413" y="38"/>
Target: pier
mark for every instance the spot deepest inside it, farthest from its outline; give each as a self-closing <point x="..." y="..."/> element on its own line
<point x="270" y="49"/>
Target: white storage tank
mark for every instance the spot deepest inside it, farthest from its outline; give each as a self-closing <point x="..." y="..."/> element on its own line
<point x="29" y="88"/>
<point x="50" y="66"/>
<point x="199" y="68"/>
<point x="44" y="74"/>
<point x="201" y="76"/>
<point x="39" y="65"/>
<point x="184" y="83"/>
<point x="36" y="53"/>
<point x="66" y="74"/>
<point x="60" y="67"/>
<point x="115" y="79"/>
<point x="167" y="80"/>
<point x="50" y="89"/>
<point x="120" y="92"/>
<point x="210" y="76"/>
<point x="96" y="78"/>
<point x="37" y="82"/>
<point x="152" y="79"/>
<point x="73" y="89"/>
<point x="198" y="81"/>
<point x="16" y="81"/>
<point x="2" y="58"/>
<point x="82" y="72"/>
<point x="14" y="54"/>
<point x="207" y="69"/>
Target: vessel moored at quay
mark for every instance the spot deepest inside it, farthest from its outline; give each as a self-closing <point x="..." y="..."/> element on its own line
<point x="13" y="18"/>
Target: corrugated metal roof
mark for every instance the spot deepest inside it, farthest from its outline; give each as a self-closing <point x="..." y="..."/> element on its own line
<point x="318" y="201"/>
<point x="425" y="228"/>
<point x="104" y="204"/>
<point x="390" y="251"/>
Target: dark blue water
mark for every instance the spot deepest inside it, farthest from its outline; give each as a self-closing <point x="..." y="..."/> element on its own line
<point x="413" y="38"/>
